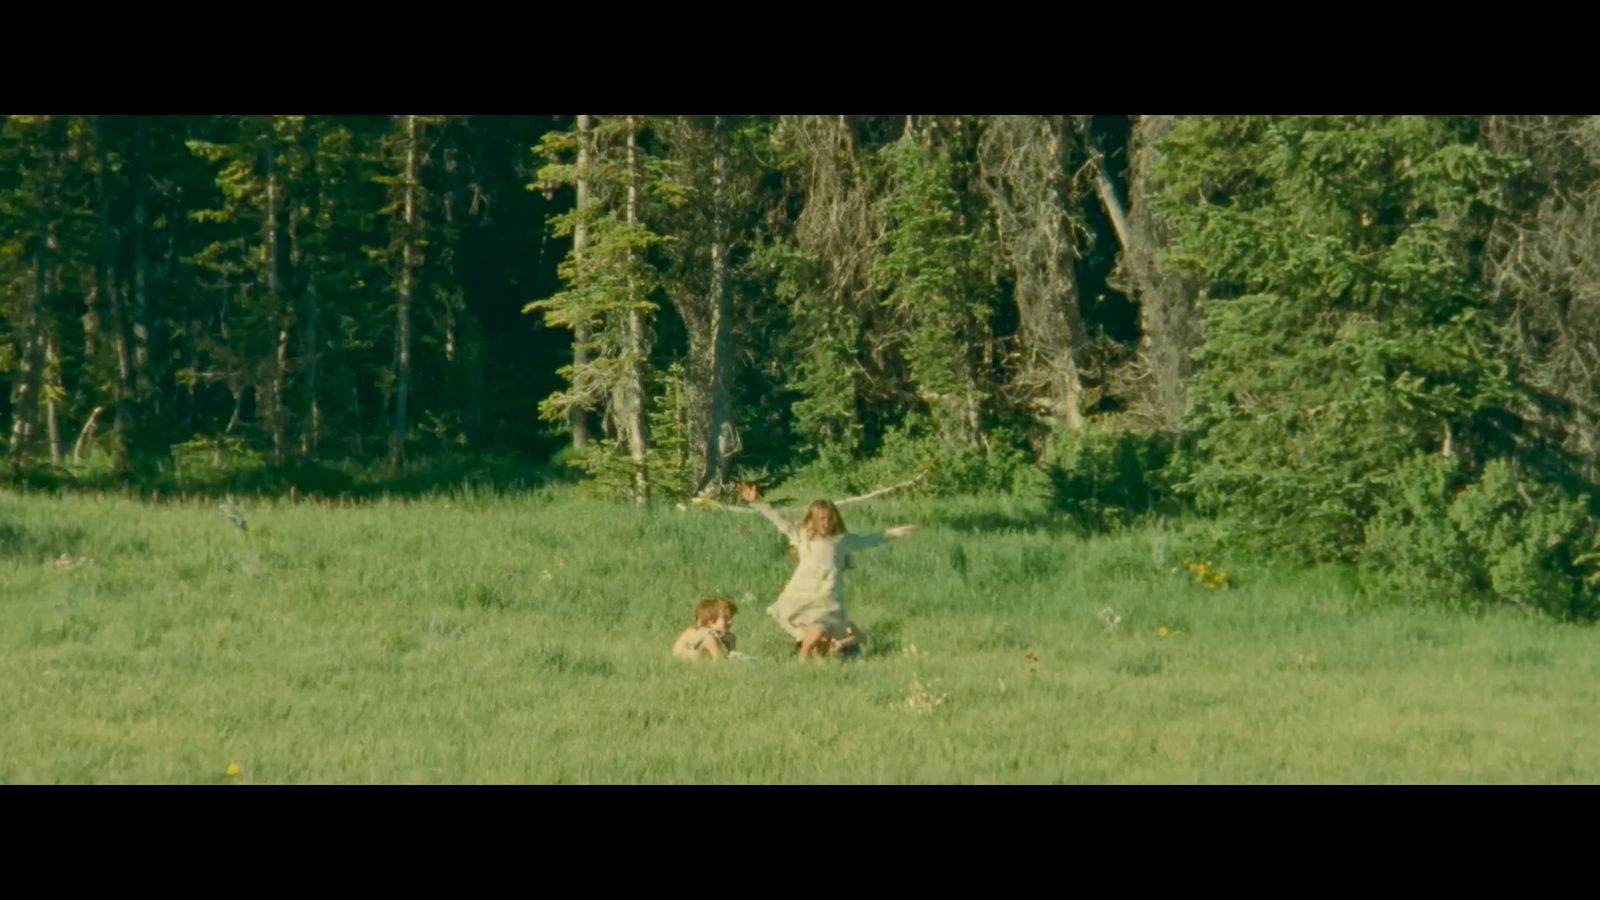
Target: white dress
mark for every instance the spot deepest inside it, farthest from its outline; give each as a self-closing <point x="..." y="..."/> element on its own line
<point x="814" y="596"/>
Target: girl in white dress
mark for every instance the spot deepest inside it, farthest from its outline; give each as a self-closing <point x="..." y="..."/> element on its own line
<point x="811" y="607"/>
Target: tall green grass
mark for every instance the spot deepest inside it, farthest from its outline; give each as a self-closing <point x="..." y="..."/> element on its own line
<point x="524" y="638"/>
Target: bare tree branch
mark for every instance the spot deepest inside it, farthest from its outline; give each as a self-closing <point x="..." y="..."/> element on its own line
<point x="706" y="502"/>
<point x="883" y="490"/>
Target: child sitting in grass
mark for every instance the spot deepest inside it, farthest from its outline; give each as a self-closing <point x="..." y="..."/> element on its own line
<point x="711" y="636"/>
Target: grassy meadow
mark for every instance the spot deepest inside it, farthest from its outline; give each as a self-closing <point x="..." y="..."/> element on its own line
<point x="523" y="638"/>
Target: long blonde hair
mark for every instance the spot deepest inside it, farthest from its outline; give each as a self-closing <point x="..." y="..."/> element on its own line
<point x="822" y="520"/>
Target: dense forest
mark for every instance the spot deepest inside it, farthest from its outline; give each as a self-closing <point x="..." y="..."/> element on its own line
<point x="1372" y="340"/>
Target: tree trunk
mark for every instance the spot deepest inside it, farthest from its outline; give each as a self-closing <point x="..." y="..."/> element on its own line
<point x="356" y="448"/>
<point x="31" y="325"/>
<point x="720" y="436"/>
<point x="141" y="267"/>
<point x="86" y="435"/>
<point x="123" y="393"/>
<point x="580" y="239"/>
<point x="1169" y="317"/>
<point x="311" y="357"/>
<point x="25" y="394"/>
<point x="1106" y="191"/>
<point x="233" y="420"/>
<point x="279" y="408"/>
<point x="91" y="319"/>
<point x="1022" y="160"/>
<point x="276" y="418"/>
<point x="1058" y="354"/>
<point x="402" y="306"/>
<point x="306" y="312"/>
<point x="629" y="399"/>
<point x="52" y="411"/>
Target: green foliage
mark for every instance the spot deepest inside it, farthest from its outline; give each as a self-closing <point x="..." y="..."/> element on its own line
<point x="1104" y="475"/>
<point x="816" y="254"/>
<point x="614" y="277"/>
<point x="917" y="449"/>
<point x="930" y="273"/>
<point x="1344" y="327"/>
<point x="1439" y="535"/>
<point x="1099" y="478"/>
<point x="1369" y="306"/>
<point x="608" y="469"/>
<point x="671" y="463"/>
<point x="824" y="346"/>
<point x="203" y="461"/>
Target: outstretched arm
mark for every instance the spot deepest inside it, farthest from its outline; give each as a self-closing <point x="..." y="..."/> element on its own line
<point x="784" y="525"/>
<point x="749" y="494"/>
<point x="854" y="542"/>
